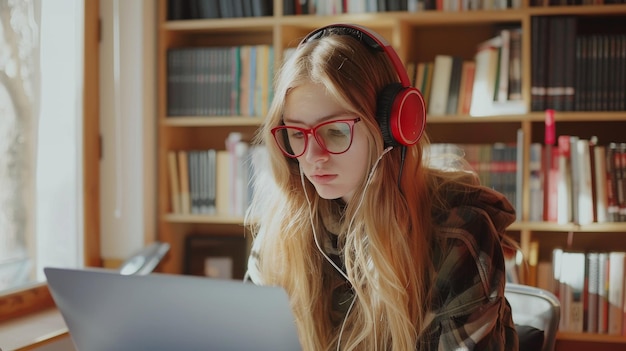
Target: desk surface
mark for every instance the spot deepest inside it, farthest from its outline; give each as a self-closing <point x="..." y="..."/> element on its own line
<point x="28" y="332"/>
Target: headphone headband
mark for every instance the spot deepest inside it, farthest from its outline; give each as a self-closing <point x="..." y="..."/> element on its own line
<point x="372" y="40"/>
<point x="400" y="108"/>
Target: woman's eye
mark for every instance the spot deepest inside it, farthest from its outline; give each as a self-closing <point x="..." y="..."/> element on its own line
<point x="296" y="134"/>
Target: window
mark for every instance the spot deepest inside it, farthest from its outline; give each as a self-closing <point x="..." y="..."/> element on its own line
<point x="41" y="206"/>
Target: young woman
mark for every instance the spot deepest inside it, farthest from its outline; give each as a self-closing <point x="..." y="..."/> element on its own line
<point x="376" y="250"/>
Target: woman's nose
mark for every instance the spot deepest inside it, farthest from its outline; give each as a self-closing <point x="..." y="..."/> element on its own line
<point x="315" y="152"/>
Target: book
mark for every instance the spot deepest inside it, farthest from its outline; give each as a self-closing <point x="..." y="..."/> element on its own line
<point x="572" y="288"/>
<point x="454" y="89"/>
<point x="535" y="182"/>
<point x="603" y="293"/>
<point x="485" y="77"/>
<point x="549" y="189"/>
<point x="585" y="187"/>
<point x="599" y="168"/>
<point x="575" y="178"/>
<point x="515" y="65"/>
<point x="193" y="162"/>
<point x="262" y="8"/>
<point x="501" y="92"/>
<point x="442" y="72"/>
<point x="540" y="44"/>
<point x="486" y="59"/>
<point x="555" y="62"/>
<point x="211" y="178"/>
<point x="569" y="63"/>
<point x="183" y="171"/>
<point x="174" y="182"/>
<point x="519" y="174"/>
<point x="466" y="87"/>
<point x="612" y="178"/>
<point x="208" y="8"/>
<point x="244" y="80"/>
<point x="427" y="82"/>
<point x="616" y="292"/>
<point x="262" y="81"/>
<point x="592" y="274"/>
<point x="533" y="262"/>
<point x="223" y="183"/>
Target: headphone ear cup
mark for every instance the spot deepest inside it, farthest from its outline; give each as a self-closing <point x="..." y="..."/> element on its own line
<point x="401" y="114"/>
<point x="384" y="110"/>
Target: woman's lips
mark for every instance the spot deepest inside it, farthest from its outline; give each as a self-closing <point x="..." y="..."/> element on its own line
<point x="323" y="178"/>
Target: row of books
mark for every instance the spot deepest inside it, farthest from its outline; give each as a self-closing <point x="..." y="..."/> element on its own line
<point x="574" y="2"/>
<point x="491" y="84"/>
<point x="334" y="7"/>
<point x="219" y="81"/>
<point x="578" y="181"/>
<point x="212" y="182"/>
<point x="496" y="165"/>
<point x="204" y="9"/>
<point x="590" y="287"/>
<point x="576" y="72"/>
<point x="200" y="9"/>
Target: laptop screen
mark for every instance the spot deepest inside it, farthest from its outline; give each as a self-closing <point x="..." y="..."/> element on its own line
<point x="108" y="311"/>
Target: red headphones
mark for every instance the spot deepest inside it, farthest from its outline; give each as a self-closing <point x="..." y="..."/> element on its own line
<point x="401" y="110"/>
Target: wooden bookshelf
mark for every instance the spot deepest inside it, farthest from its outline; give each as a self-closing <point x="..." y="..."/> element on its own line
<point x="417" y="37"/>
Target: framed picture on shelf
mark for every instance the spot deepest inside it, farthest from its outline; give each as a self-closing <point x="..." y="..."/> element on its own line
<point x="215" y="257"/>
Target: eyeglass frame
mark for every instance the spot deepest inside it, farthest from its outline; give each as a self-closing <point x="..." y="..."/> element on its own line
<point x="313" y="131"/>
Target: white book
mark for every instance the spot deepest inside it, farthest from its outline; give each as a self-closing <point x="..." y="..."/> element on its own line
<point x="442" y="72"/>
<point x="585" y="202"/>
<point x="572" y="281"/>
<point x="603" y="293"/>
<point x="616" y="292"/>
<point x="599" y="167"/>
<point x="485" y="76"/>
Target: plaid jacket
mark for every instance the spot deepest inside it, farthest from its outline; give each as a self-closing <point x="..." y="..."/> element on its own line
<point x="468" y="308"/>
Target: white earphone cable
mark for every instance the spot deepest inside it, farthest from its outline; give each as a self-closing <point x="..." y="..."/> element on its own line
<point x="319" y="247"/>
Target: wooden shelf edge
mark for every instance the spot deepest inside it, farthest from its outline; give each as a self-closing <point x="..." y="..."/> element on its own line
<point x="616" y="227"/>
<point x="193" y="218"/>
<point x="211" y="121"/>
<point x="268" y="23"/>
<point x="589" y="337"/>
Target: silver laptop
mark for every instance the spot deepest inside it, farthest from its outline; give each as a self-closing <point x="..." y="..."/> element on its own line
<point x="106" y="311"/>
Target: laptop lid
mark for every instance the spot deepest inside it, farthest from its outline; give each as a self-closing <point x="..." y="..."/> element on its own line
<point x="105" y="310"/>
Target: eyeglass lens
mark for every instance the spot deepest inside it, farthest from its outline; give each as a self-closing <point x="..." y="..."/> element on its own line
<point x="333" y="137"/>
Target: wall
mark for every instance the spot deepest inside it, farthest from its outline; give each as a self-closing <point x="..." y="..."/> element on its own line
<point x="127" y="118"/>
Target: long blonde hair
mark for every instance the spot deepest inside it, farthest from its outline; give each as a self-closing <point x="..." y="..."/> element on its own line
<point x="387" y="252"/>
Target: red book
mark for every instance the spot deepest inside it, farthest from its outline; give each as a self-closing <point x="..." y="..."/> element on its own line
<point x="549" y="139"/>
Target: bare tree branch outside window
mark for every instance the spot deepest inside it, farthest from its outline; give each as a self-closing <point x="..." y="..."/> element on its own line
<point x="19" y="101"/>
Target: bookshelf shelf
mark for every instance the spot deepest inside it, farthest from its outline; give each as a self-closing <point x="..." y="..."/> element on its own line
<point x="221" y="24"/>
<point x="418" y="37"/>
<point x="180" y="218"/>
<point x="616" y="228"/>
<point x="579" y="10"/>
<point x="208" y="121"/>
<point x="588" y="337"/>
<point x="581" y="116"/>
<point x="470" y="119"/>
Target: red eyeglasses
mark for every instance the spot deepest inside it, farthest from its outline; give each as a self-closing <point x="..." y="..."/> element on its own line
<point x="335" y="137"/>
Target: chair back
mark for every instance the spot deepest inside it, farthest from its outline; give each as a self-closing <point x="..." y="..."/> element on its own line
<point x="537" y="308"/>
